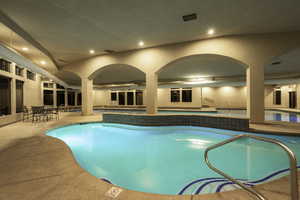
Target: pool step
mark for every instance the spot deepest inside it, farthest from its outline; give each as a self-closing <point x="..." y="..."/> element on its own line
<point x="219" y="184"/>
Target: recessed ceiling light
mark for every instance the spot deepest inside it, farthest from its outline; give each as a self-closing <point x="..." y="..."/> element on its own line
<point x="92" y="51"/>
<point x="25" y="49"/>
<point x="211" y="32"/>
<point x="43" y="62"/>
<point x="141" y="43"/>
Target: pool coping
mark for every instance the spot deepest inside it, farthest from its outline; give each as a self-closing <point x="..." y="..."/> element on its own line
<point x="216" y="196"/>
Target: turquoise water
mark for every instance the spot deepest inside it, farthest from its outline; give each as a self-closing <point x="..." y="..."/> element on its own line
<point x="164" y="160"/>
<point x="270" y="115"/>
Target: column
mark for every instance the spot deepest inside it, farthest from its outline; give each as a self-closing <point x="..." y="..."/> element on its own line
<point x="54" y="96"/>
<point x="255" y="94"/>
<point x="66" y="98"/>
<point x="298" y="96"/>
<point x="134" y="97"/>
<point x="76" y="103"/>
<point x="13" y="94"/>
<point x="87" y="96"/>
<point x="151" y="93"/>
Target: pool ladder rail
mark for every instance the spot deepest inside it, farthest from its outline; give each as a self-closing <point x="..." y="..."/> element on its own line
<point x="293" y="165"/>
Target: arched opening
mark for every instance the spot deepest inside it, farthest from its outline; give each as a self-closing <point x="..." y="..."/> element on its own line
<point x="282" y="87"/>
<point x="71" y="96"/>
<point x="118" y="85"/>
<point x="205" y="82"/>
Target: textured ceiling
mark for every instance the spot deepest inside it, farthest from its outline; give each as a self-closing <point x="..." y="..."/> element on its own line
<point x="202" y="66"/>
<point x="14" y="41"/>
<point x="118" y="74"/>
<point x="69" y="28"/>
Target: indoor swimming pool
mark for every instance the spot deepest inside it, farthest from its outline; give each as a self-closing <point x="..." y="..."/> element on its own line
<point x="270" y="115"/>
<point x="170" y="160"/>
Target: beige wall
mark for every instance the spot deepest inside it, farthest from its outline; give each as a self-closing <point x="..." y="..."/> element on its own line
<point x="225" y="97"/>
<point x="101" y="97"/>
<point x="33" y="92"/>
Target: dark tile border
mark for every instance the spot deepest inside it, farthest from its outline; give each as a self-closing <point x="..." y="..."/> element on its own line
<point x="238" y="124"/>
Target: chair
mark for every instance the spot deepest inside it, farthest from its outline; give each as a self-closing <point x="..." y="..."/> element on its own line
<point x="38" y="113"/>
<point x="26" y="113"/>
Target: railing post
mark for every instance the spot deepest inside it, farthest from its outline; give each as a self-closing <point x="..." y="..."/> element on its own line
<point x="292" y="158"/>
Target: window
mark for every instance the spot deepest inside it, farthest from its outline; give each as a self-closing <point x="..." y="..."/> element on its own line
<point x="175" y="95"/>
<point x="48" y="97"/>
<point x="71" y="98"/>
<point x="130" y="98"/>
<point x="19" y="71"/>
<point x="59" y="86"/>
<point x="5" y="104"/>
<point x="19" y="96"/>
<point x="79" y="100"/>
<point x="139" y="97"/>
<point x="60" y="98"/>
<point x="4" y="65"/>
<point x="277" y="97"/>
<point x="121" y="98"/>
<point x="113" y="96"/>
<point x="30" y="75"/>
<point x="186" y="94"/>
<point x="48" y="85"/>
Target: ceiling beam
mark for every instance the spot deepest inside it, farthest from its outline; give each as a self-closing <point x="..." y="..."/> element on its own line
<point x="6" y="20"/>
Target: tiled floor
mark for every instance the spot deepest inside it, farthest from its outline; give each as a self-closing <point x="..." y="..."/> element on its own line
<point x="34" y="166"/>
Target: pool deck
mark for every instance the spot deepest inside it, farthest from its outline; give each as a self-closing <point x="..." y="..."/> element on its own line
<point x="35" y="166"/>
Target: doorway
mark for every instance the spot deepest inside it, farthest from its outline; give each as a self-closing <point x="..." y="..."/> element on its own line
<point x="292" y="99"/>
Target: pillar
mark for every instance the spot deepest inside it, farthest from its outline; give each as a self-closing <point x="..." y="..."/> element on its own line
<point x="87" y="96"/>
<point x="255" y="94"/>
<point x="66" y="98"/>
<point x="151" y="93"/>
<point x="76" y="103"/>
<point x="13" y="94"/>
<point x="298" y="96"/>
<point x="54" y="96"/>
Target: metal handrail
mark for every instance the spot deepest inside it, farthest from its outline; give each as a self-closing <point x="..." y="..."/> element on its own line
<point x="292" y="157"/>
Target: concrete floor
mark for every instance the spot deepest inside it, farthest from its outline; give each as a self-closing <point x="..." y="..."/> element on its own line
<point x="34" y="166"/>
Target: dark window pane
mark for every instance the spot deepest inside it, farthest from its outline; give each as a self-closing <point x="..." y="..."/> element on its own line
<point x="139" y="97"/>
<point x="175" y="95"/>
<point x="71" y="98"/>
<point x="19" y="96"/>
<point x="59" y="86"/>
<point x="79" y="100"/>
<point x="113" y="96"/>
<point x="5" y="104"/>
<point x="30" y="75"/>
<point x="48" y="97"/>
<point x="19" y="71"/>
<point x="4" y="65"/>
<point x="60" y="98"/>
<point x="277" y="97"/>
<point x="187" y="95"/>
<point x="130" y="98"/>
<point x="121" y="98"/>
<point x="48" y="85"/>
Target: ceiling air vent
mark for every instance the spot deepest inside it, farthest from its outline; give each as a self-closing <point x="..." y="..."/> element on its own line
<point x="189" y="17"/>
<point x="276" y="63"/>
<point x="109" y="51"/>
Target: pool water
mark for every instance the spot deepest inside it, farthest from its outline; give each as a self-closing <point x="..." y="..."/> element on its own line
<point x="270" y="115"/>
<point x="170" y="160"/>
